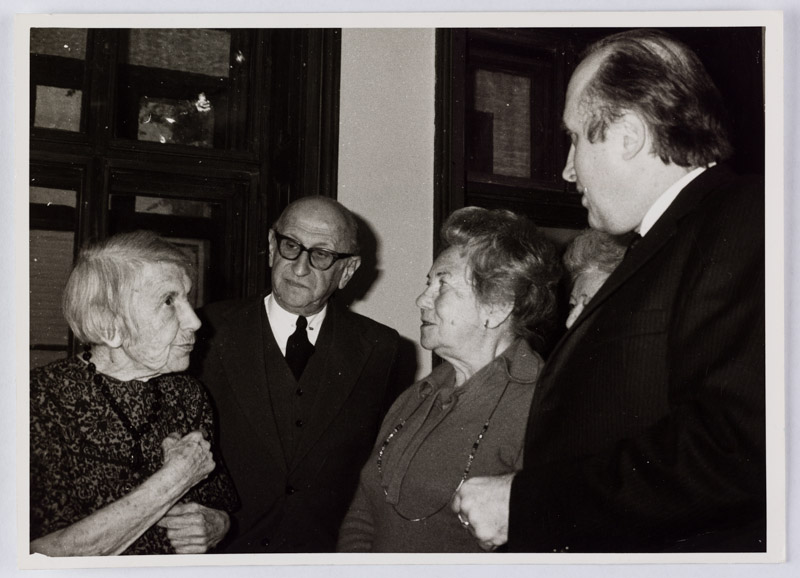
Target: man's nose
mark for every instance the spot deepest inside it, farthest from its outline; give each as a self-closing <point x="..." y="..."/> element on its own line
<point x="568" y="174"/>
<point x="302" y="265"/>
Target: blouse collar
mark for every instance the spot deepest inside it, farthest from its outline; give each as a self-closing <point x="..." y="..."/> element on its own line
<point x="517" y="363"/>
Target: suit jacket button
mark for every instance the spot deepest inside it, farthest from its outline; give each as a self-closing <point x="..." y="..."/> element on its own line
<point x="290" y="490"/>
<point x="265" y="542"/>
<point x="299" y="423"/>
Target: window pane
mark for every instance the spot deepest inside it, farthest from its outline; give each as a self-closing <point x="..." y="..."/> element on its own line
<point x="175" y="87"/>
<point x="66" y="42"/>
<point x="58" y="108"/>
<point x="50" y="263"/>
<point x="53" y="209"/>
<point x="178" y="207"/>
<point x="199" y="51"/>
<point x="500" y="124"/>
<point x="46" y="196"/>
<point x="57" y="77"/>
<point x="173" y="121"/>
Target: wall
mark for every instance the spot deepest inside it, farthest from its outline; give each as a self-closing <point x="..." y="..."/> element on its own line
<point x="386" y="169"/>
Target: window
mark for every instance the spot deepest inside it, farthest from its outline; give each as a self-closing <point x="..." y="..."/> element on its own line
<point x="201" y="135"/>
<point x="58" y="78"/>
<point x="180" y="87"/>
<point x="500" y="95"/>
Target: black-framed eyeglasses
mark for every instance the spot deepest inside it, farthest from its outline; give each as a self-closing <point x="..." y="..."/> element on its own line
<point x="321" y="259"/>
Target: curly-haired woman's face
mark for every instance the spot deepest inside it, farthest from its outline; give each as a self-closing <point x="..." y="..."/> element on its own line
<point x="162" y="322"/>
<point x="452" y="323"/>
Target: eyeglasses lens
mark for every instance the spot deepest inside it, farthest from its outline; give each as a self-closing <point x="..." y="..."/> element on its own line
<point x="319" y="259"/>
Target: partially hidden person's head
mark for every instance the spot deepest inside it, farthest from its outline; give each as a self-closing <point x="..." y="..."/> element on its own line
<point x="639" y="101"/>
<point x="130" y="293"/>
<point x="496" y="272"/>
<point x="313" y="251"/>
<point x="590" y="259"/>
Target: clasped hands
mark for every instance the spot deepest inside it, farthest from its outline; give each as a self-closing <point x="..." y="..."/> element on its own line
<point x="191" y="527"/>
<point x="482" y="507"/>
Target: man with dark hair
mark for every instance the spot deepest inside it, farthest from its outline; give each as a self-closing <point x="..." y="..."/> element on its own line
<point x="667" y="85"/>
<point x="300" y="385"/>
<point x="647" y="429"/>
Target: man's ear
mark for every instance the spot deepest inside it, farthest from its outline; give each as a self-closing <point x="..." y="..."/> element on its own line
<point x="352" y="265"/>
<point x="635" y="135"/>
<point x="273" y="246"/>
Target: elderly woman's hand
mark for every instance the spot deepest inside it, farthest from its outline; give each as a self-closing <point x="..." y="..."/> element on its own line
<point x="110" y="530"/>
<point x="193" y="528"/>
<point x="481" y="504"/>
<point x="187" y="459"/>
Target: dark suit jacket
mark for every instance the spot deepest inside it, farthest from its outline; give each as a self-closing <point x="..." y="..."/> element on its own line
<point x="295" y="504"/>
<point x="647" y="429"/>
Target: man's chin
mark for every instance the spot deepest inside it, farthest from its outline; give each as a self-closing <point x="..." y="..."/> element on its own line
<point x="295" y="300"/>
<point x="599" y="225"/>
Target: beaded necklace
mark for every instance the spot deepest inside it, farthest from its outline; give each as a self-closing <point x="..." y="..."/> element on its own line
<point x="136" y="456"/>
<point x="464" y="475"/>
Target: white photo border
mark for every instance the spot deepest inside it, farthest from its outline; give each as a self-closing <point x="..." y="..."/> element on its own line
<point x="776" y="310"/>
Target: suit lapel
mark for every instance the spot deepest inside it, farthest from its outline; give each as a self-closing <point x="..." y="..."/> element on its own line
<point x="661" y="233"/>
<point x="645" y="250"/>
<point x="244" y="362"/>
<point x="336" y="366"/>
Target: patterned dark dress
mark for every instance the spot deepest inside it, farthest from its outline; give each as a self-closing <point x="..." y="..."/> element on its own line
<point x="81" y="452"/>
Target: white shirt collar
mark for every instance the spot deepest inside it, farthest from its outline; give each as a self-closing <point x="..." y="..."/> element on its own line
<point x="283" y="323"/>
<point x="665" y="200"/>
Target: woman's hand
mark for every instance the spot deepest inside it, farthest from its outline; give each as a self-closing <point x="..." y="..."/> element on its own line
<point x="187" y="459"/>
<point x="193" y="528"/>
<point x="481" y="504"/>
<point x="111" y="529"/>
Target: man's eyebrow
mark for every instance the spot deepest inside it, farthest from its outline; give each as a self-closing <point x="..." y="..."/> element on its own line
<point x="327" y="249"/>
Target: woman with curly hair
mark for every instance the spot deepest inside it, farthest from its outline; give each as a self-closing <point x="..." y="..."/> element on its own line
<point x="489" y="293"/>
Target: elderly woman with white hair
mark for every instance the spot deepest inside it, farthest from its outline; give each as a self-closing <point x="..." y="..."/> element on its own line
<point x="120" y="445"/>
<point x="490" y="294"/>
<point x="590" y="259"/>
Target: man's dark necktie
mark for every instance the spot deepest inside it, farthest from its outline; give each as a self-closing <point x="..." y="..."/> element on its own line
<point x="298" y="348"/>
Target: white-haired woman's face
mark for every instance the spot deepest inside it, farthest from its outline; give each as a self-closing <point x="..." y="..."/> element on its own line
<point x="161" y="322"/>
<point x="585" y="286"/>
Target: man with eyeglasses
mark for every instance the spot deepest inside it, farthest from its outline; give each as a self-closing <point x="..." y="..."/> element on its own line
<point x="300" y="385"/>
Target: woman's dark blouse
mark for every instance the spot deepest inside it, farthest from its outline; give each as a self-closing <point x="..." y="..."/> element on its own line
<point x="80" y="449"/>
